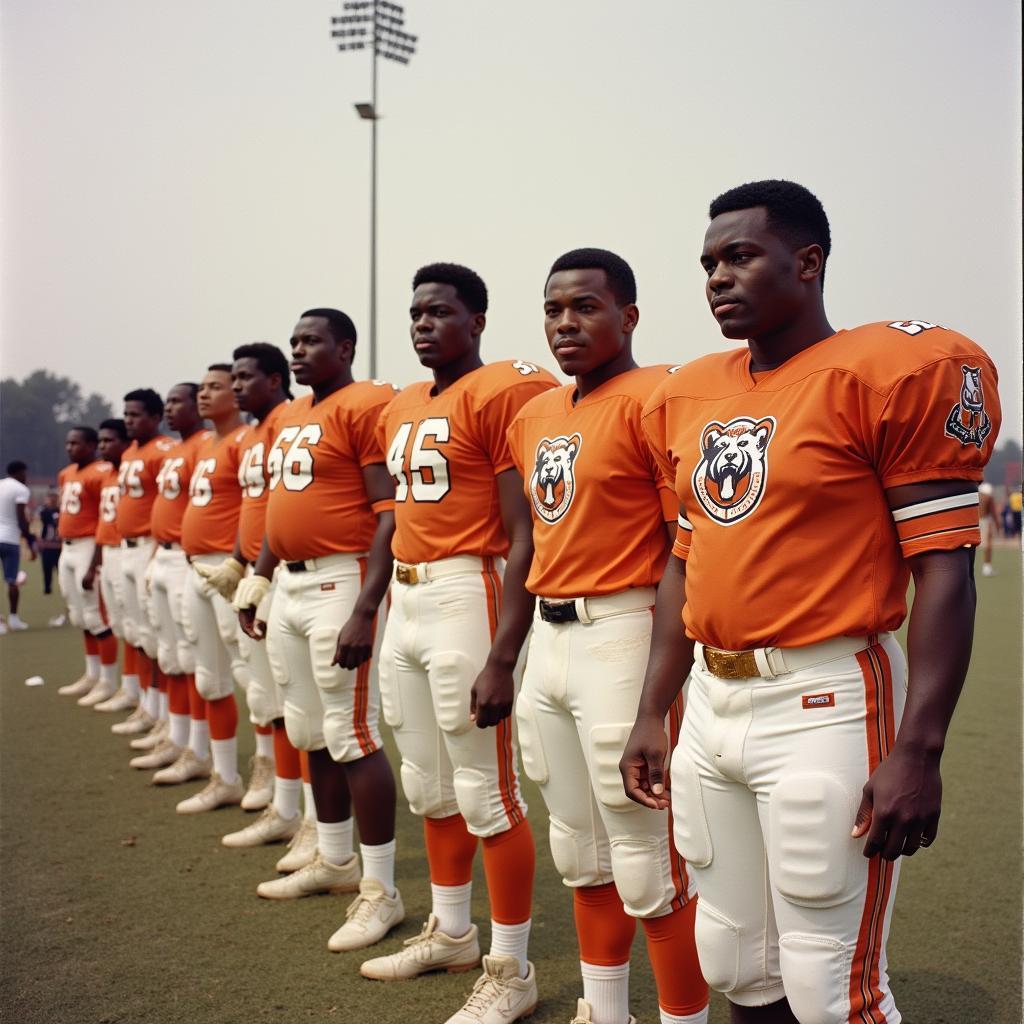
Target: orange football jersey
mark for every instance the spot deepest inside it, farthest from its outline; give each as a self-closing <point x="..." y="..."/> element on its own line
<point x="318" y="503"/>
<point x="172" y="488"/>
<point x="137" y="478"/>
<point x="210" y="522"/>
<point x="253" y="479"/>
<point x="444" y="452"/>
<point x="80" y="490"/>
<point x="598" y="497"/>
<point x="781" y="479"/>
<point x="110" y="493"/>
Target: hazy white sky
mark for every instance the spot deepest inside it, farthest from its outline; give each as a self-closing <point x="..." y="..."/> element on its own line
<point x="178" y="178"/>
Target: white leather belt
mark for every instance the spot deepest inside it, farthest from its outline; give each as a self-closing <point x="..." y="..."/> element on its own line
<point x="770" y="662"/>
<point x="590" y="609"/>
<point x="410" y="574"/>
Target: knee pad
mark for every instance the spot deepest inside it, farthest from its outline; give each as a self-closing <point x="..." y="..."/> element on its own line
<point x="263" y="706"/>
<point x="131" y="634"/>
<point x="719" y="948"/>
<point x="452" y="675"/>
<point x="606" y="745"/>
<point x="424" y="793"/>
<point x="149" y="645"/>
<point x="186" y="658"/>
<point x="580" y="859"/>
<point x="75" y="617"/>
<point x="816" y="971"/>
<point x="690" y="823"/>
<point x="167" y="659"/>
<point x="240" y="672"/>
<point x="473" y="794"/>
<point x="535" y="764"/>
<point x="809" y="844"/>
<point x="206" y="684"/>
<point x="304" y="731"/>
<point x="344" y="742"/>
<point x="643" y="876"/>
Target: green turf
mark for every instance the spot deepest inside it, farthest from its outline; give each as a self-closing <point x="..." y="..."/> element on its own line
<point x="115" y="909"/>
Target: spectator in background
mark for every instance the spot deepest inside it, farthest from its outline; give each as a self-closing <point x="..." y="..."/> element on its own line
<point x="1015" y="509"/>
<point x="14" y="498"/>
<point x="49" y="543"/>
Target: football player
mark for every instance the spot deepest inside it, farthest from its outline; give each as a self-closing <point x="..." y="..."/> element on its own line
<point x="816" y="472"/>
<point x="330" y="517"/>
<point x="600" y="508"/>
<point x="453" y="638"/>
<point x="81" y="486"/>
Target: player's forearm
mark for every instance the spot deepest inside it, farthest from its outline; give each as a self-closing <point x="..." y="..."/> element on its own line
<point x="378" y="567"/>
<point x="671" y="656"/>
<point x="944" y="605"/>
<point x="25" y="528"/>
<point x="266" y="561"/>
<point x="97" y="558"/>
<point x="236" y="554"/>
<point x="516" y="606"/>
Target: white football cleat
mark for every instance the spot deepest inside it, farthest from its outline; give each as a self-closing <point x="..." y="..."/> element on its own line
<point x="138" y="722"/>
<point x="15" y="623"/>
<point x="269" y="827"/>
<point x="499" y="995"/>
<point x="153" y="737"/>
<point x="301" y="850"/>
<point x="165" y="753"/>
<point x="186" y="768"/>
<point x="584" y="1014"/>
<point x="316" y="877"/>
<point x="102" y="691"/>
<point x="217" y="793"/>
<point x="121" y="701"/>
<point x="81" y="686"/>
<point x="369" y="917"/>
<point x="261" y="784"/>
<point x="431" y="950"/>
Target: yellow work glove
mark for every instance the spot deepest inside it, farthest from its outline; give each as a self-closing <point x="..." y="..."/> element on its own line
<point x="250" y="593"/>
<point x="222" y="579"/>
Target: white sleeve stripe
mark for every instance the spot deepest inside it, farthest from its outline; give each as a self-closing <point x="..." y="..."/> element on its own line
<point x="927" y="508"/>
<point x="685" y="523"/>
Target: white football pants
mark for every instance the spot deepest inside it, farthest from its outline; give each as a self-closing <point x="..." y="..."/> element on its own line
<point x="262" y="694"/>
<point x="768" y="773"/>
<point x="83" y="605"/>
<point x="111" y="581"/>
<point x="171" y="570"/>
<point x="138" y="630"/>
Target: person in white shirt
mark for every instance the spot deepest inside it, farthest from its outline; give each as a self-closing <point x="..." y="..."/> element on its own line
<point x="14" y="496"/>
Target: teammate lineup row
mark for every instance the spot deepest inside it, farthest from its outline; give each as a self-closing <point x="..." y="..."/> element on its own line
<point x="749" y="521"/>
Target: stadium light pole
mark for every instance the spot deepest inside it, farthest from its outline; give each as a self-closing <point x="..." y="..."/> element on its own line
<point x="379" y="26"/>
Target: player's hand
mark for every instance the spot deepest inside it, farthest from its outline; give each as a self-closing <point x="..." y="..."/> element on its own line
<point x="89" y="578"/>
<point x="249" y="597"/>
<point x="492" y="696"/>
<point x="355" y="641"/>
<point x="643" y="764"/>
<point x="899" y="811"/>
<point x="253" y="627"/>
<point x="222" y="579"/>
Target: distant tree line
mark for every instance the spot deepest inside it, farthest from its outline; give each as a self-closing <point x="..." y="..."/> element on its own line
<point x="35" y="415"/>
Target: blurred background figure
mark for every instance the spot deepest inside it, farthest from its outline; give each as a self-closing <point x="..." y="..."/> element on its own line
<point x="989" y="525"/>
<point x="14" y="499"/>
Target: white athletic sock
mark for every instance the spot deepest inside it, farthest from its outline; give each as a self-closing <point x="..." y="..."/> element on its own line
<point x="607" y="991"/>
<point x="451" y="908"/>
<point x="179" y="729"/>
<point x="379" y="863"/>
<point x="130" y="685"/>
<point x="225" y="758"/>
<point x="108" y="673"/>
<point x="153" y="702"/>
<point x="691" y="1018"/>
<point x="265" y="745"/>
<point x="286" y="796"/>
<point x="199" y="737"/>
<point x="164" y="704"/>
<point x="334" y="840"/>
<point x="511" y="940"/>
<point x="308" y="803"/>
<point x="92" y="666"/>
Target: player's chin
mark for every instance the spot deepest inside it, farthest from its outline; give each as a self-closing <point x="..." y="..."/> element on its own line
<point x="735" y="328"/>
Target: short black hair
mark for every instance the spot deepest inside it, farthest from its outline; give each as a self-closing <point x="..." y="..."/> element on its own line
<point x="219" y="367"/>
<point x="193" y="389"/>
<point x="795" y="213"/>
<point x="151" y="401"/>
<point x="89" y="433"/>
<point x="468" y="284"/>
<point x="342" y="328"/>
<point x="117" y="426"/>
<point x="17" y="466"/>
<point x="617" y="271"/>
<point x="269" y="358"/>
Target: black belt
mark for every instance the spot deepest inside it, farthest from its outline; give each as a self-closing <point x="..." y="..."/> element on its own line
<point x="558" y="611"/>
<point x="296" y="566"/>
<point x="131" y="542"/>
<point x="167" y="545"/>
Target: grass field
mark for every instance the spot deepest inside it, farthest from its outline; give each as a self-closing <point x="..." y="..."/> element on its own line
<point x="115" y="909"/>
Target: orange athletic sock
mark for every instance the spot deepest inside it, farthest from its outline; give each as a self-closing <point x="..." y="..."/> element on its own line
<point x="144" y="665"/>
<point x="263" y="730"/>
<point x="603" y="928"/>
<point x="286" y="758"/>
<point x="222" y="715"/>
<point x="672" y="951"/>
<point x="304" y="767"/>
<point x="510" y="859"/>
<point x="130" y="663"/>
<point x="107" y="646"/>
<point x="451" y="848"/>
<point x="163" y="681"/>
<point x="196" y="704"/>
<point x="91" y="644"/>
<point x="177" y="695"/>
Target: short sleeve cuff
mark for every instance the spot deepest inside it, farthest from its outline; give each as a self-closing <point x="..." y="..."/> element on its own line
<point x="940" y="524"/>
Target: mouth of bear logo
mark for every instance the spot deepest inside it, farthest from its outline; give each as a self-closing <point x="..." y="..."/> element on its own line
<point x="727" y="481"/>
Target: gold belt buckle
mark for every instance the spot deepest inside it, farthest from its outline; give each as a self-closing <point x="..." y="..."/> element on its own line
<point x="407" y="574"/>
<point x="730" y="664"/>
